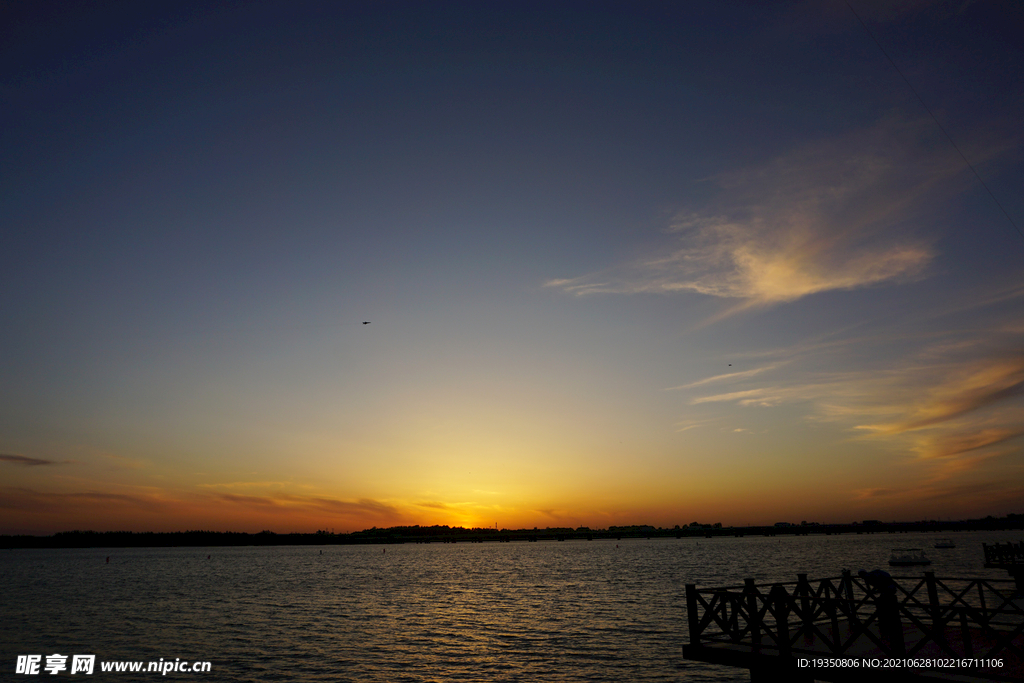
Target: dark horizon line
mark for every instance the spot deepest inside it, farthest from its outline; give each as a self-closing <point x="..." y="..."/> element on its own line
<point x="448" y="534"/>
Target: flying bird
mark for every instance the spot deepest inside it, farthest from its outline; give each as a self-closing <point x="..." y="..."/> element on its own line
<point x="366" y="322"/>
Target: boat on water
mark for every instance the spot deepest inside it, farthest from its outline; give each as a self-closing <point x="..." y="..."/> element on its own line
<point x="908" y="557"/>
<point x="944" y="543"/>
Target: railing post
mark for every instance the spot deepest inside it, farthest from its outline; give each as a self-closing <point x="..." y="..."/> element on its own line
<point x="830" y="606"/>
<point x="981" y="602"/>
<point x="804" y="588"/>
<point x="965" y="634"/>
<point x="1017" y="573"/>
<point x="846" y="590"/>
<point x="780" y="599"/>
<point x="729" y="600"/>
<point x="720" y="608"/>
<point x="933" y="597"/>
<point x="935" y="609"/>
<point x="889" y="619"/>
<point x="753" y="613"/>
<point x="691" y="613"/>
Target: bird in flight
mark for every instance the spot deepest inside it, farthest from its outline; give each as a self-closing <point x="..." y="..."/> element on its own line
<point x="366" y="322"/>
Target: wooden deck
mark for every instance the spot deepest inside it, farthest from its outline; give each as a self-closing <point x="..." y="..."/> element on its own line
<point x="772" y="630"/>
<point x="1008" y="556"/>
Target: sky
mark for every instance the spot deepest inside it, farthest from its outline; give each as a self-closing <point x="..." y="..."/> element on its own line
<point x="623" y="263"/>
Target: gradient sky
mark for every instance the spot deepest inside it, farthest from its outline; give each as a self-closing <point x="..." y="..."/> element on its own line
<point x="624" y="263"/>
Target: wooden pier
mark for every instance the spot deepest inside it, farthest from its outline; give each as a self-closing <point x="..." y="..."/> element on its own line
<point x="850" y="627"/>
<point x="1008" y="556"/>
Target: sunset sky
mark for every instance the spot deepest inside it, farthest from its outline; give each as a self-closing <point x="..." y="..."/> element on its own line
<point x="623" y="263"/>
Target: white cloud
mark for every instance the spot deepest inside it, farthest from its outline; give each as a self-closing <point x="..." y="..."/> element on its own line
<point x="733" y="396"/>
<point x="726" y="377"/>
<point x="831" y="216"/>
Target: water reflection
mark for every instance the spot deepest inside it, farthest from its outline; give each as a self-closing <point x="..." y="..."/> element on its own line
<point x="469" y="612"/>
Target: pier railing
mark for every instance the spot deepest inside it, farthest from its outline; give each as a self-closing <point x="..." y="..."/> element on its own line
<point x="849" y="615"/>
<point x="1002" y="554"/>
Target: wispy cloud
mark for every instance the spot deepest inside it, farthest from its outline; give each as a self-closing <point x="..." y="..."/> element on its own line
<point x="22" y="498"/>
<point x="726" y="377"/>
<point x="148" y="507"/>
<point x="952" y="406"/>
<point x="949" y="445"/>
<point x="865" y="494"/>
<point x="949" y="495"/>
<point x="259" y="501"/>
<point x="30" y="462"/>
<point x="957" y="468"/>
<point x="768" y="396"/>
<point x="248" y="485"/>
<point x="367" y="507"/>
<point x="741" y="396"/>
<point x="434" y="505"/>
<point x="960" y="390"/>
<point x="830" y="216"/>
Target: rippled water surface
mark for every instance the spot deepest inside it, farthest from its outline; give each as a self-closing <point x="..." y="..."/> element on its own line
<point x="570" y="611"/>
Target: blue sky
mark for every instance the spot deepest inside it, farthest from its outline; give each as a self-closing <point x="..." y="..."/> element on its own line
<point x="623" y="263"/>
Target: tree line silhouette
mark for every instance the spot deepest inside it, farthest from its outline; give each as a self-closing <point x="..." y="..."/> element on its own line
<point x="448" y="534"/>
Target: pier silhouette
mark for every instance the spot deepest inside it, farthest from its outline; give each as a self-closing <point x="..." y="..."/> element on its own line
<point x="1008" y="556"/>
<point x="925" y="629"/>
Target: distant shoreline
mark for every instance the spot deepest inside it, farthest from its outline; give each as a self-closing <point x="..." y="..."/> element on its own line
<point x="446" y="534"/>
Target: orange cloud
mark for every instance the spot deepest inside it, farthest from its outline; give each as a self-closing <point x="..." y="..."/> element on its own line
<point x="32" y="511"/>
<point x="951" y="408"/>
<point x="984" y="385"/>
<point x="943" y="445"/>
<point x="864" y="494"/>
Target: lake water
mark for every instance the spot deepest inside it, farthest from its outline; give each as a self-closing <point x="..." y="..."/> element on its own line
<point x="565" y="611"/>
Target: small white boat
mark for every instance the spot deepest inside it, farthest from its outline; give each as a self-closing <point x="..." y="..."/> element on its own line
<point x="944" y="543"/>
<point x="907" y="557"/>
